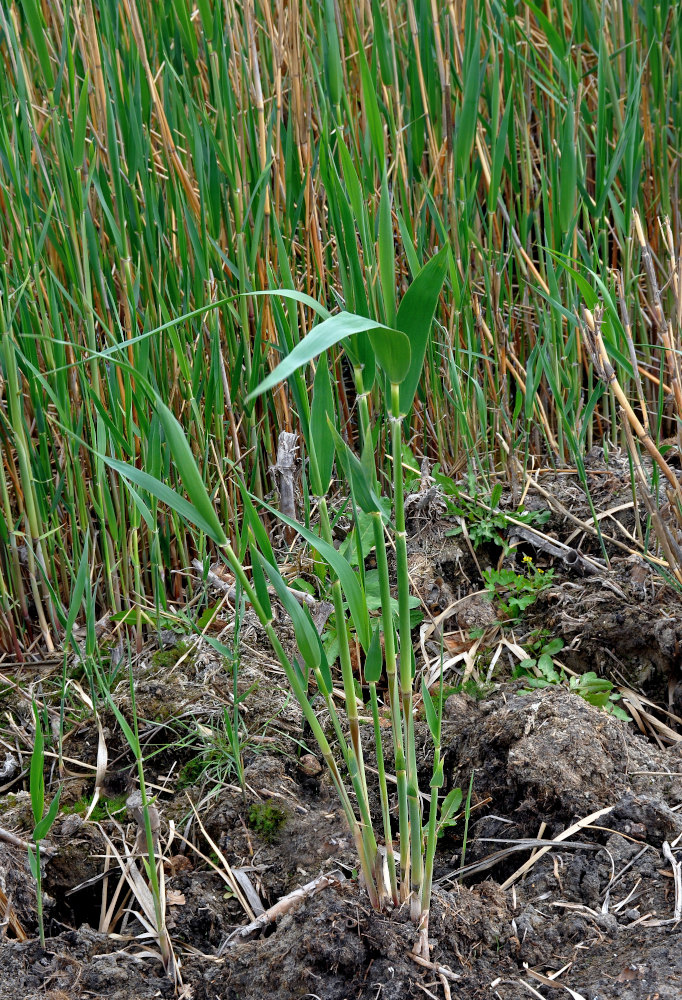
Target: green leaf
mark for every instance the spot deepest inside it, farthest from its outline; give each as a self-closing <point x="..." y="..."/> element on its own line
<point x="415" y="317"/>
<point x="451" y="804"/>
<point x="160" y="491"/>
<point x="33" y="863"/>
<point x="321" y="414"/>
<point x="355" y="474"/>
<point x="374" y="659"/>
<point x="350" y="585"/>
<point x="547" y="669"/>
<point x="393" y="352"/>
<point x="80" y="123"/>
<point x="568" y="171"/>
<point x="438" y="778"/>
<point x="307" y="636"/>
<point x="386" y="252"/>
<point x="259" y="582"/>
<point x="189" y="473"/>
<point x="373" y="115"/>
<point x="555" y="646"/>
<point x="254" y="523"/>
<point x="36" y="778"/>
<point x="333" y="53"/>
<point x="206" y="12"/>
<point x="43" y="827"/>
<point x="78" y="589"/>
<point x="325" y="335"/>
<point x="34" y="18"/>
<point x="430" y="709"/>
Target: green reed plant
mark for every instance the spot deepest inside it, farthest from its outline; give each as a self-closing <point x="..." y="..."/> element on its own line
<point x="393" y="357"/>
<point x="43" y="823"/>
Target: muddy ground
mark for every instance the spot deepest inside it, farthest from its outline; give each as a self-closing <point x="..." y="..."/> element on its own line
<point x="597" y="911"/>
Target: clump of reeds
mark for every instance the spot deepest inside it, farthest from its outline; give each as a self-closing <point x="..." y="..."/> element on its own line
<point x="150" y="166"/>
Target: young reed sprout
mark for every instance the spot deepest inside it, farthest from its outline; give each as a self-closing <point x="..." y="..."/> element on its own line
<point x="392" y="357"/>
<point x="43" y="824"/>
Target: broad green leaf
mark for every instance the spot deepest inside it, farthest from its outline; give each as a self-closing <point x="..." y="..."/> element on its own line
<point x="325" y="335"/>
<point x="415" y="316"/>
<point x="393" y="353"/>
<point x="189" y="473"/>
<point x="374" y="659"/>
<point x="322" y="443"/>
<point x="451" y="804"/>
<point x="555" y="646"/>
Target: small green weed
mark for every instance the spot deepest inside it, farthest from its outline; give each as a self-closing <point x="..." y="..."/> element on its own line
<point x="598" y="691"/>
<point x="540" y="670"/>
<point x="266" y="819"/>
<point x="485" y="522"/>
<point x="515" y="591"/>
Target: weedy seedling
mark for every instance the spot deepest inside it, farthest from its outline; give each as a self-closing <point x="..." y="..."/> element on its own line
<point x="515" y="592"/>
<point x="486" y="522"/>
<point x="541" y="671"/>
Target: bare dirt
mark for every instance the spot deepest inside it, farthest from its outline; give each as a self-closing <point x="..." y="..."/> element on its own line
<point x="596" y="911"/>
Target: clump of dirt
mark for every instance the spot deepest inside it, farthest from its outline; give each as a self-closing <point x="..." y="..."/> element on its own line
<point x="601" y="902"/>
<point x="551" y="757"/>
<point x="333" y="945"/>
<point x="78" y="964"/>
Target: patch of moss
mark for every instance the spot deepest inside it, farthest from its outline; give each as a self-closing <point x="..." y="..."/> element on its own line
<point x="162" y="712"/>
<point x="190" y="773"/>
<point x="476" y="689"/>
<point x="102" y="811"/>
<point x="165" y="659"/>
<point x="266" y="819"/>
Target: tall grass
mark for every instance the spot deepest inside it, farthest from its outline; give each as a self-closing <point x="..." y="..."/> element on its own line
<point x="156" y="161"/>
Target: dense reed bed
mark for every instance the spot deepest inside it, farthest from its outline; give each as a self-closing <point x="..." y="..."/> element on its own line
<point x="158" y="162"/>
